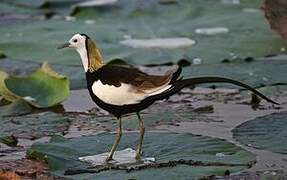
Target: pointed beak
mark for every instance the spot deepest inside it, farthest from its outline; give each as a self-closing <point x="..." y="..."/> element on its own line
<point x="64" y="45"/>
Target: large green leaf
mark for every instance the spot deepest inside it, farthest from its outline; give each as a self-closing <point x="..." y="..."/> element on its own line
<point x="267" y="132"/>
<point x="44" y="88"/>
<point x="61" y="154"/>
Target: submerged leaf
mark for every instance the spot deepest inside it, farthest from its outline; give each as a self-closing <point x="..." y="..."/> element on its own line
<point x="42" y="89"/>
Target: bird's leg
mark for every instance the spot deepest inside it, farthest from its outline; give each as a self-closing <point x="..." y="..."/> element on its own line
<point x="142" y="130"/>
<point x="117" y="140"/>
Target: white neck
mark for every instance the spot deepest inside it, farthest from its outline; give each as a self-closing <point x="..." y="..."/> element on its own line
<point x="84" y="57"/>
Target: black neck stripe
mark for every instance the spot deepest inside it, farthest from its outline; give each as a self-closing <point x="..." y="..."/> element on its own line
<point x="85" y="36"/>
<point x="87" y="49"/>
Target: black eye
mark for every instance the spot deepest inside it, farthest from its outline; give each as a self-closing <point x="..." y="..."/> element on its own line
<point x="75" y="40"/>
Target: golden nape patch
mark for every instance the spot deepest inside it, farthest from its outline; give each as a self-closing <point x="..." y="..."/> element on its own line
<point x="95" y="58"/>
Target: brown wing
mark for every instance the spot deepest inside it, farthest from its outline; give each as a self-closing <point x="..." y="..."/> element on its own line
<point x="115" y="75"/>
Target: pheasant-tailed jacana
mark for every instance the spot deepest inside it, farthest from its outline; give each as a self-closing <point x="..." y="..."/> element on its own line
<point x="122" y="90"/>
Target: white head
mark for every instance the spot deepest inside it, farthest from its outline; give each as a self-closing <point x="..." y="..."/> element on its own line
<point x="78" y="42"/>
<point x="86" y="47"/>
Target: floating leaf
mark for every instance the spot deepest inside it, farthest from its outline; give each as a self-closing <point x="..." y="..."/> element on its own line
<point x="62" y="154"/>
<point x="267" y="132"/>
<point x="42" y="89"/>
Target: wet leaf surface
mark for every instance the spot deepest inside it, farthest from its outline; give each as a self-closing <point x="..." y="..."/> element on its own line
<point x="267" y="132"/>
<point x="164" y="146"/>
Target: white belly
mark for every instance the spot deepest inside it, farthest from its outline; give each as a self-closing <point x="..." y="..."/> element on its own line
<point x="122" y="95"/>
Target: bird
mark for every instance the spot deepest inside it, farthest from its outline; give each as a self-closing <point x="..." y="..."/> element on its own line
<point x="123" y="90"/>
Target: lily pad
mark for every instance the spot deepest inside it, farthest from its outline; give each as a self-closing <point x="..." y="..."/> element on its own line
<point x="62" y="154"/>
<point x="42" y="89"/>
<point x="267" y="132"/>
<point x="34" y="125"/>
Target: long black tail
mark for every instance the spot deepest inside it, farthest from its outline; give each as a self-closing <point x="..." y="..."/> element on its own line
<point x="180" y="84"/>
